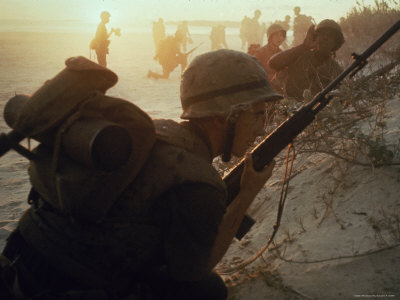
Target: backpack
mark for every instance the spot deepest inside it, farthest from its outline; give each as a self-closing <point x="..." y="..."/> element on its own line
<point x="93" y="44"/>
<point x="91" y="145"/>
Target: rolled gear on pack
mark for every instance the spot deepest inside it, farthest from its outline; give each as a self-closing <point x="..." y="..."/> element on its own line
<point x="75" y="95"/>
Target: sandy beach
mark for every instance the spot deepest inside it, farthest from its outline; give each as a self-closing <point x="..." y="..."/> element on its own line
<point x="335" y="241"/>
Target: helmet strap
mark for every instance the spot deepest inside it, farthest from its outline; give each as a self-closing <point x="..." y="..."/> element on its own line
<point x="230" y="134"/>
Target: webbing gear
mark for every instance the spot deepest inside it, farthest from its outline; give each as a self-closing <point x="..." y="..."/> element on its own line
<point x="231" y="122"/>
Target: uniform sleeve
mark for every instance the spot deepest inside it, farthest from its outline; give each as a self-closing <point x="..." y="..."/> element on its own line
<point x="101" y="33"/>
<point x="195" y="212"/>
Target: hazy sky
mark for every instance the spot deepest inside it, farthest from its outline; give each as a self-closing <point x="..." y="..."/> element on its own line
<point x="143" y="10"/>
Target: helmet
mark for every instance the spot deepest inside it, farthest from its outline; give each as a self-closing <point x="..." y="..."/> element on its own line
<point x="219" y="81"/>
<point x="332" y="25"/>
<point x="104" y="14"/>
<point x="274" y="28"/>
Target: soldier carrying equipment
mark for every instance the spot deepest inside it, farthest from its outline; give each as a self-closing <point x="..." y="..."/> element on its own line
<point x="151" y="234"/>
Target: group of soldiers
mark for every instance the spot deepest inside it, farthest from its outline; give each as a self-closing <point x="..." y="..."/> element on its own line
<point x="305" y="66"/>
<point x="171" y="50"/>
<point x="159" y="232"/>
<point x="252" y="31"/>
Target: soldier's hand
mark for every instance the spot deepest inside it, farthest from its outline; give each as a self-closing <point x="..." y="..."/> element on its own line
<point x="310" y="41"/>
<point x="252" y="181"/>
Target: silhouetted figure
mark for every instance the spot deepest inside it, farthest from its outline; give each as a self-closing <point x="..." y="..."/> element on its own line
<point x="285" y="24"/>
<point x="218" y="37"/>
<point x="184" y="35"/>
<point x="244" y="31"/>
<point x="158" y="32"/>
<point x="255" y="30"/>
<point x="169" y="56"/>
<point x="301" y="23"/>
<point x="101" y="41"/>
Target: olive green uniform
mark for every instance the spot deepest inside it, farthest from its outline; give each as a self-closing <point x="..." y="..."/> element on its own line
<point x="303" y="74"/>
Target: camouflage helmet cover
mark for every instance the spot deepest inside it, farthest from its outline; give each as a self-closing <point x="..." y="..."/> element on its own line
<point x="219" y="81"/>
<point x="332" y="25"/>
<point x="274" y="28"/>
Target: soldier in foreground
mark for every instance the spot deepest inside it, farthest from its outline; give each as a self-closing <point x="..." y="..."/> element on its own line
<point x="311" y="65"/>
<point x="167" y="229"/>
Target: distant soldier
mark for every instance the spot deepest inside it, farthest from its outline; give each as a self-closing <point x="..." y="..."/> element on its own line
<point x="301" y="23"/>
<point x="276" y="35"/>
<point x="311" y="65"/>
<point x="244" y="31"/>
<point x="158" y="32"/>
<point x="184" y="35"/>
<point x="169" y="56"/>
<point x="218" y="37"/>
<point x="255" y="31"/>
<point x="285" y="24"/>
<point x="101" y="41"/>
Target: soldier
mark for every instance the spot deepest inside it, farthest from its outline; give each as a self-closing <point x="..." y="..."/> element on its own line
<point x="276" y="35"/>
<point x="285" y="23"/>
<point x="255" y="30"/>
<point x="169" y="56"/>
<point x="286" y="26"/>
<point x="166" y="231"/>
<point x="218" y="37"/>
<point x="301" y="23"/>
<point x="311" y="65"/>
<point x="101" y="41"/>
<point x="158" y="32"/>
<point x="184" y="35"/>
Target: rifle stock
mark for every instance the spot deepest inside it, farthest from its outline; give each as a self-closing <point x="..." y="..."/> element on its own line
<point x="284" y="134"/>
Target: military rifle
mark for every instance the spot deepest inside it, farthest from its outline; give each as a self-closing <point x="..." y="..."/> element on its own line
<point x="284" y="134"/>
<point x="192" y="50"/>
